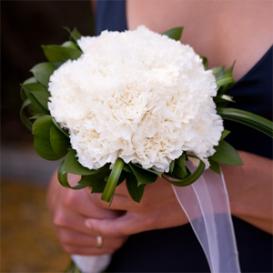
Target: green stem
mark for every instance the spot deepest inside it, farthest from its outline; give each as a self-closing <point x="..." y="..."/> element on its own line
<point x="249" y="119"/>
<point x="180" y="169"/>
<point x="189" y="179"/>
<point x="112" y="180"/>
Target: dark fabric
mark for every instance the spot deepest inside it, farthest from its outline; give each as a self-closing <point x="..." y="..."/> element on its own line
<point x="177" y="249"/>
<point x="110" y="15"/>
<point x="253" y="93"/>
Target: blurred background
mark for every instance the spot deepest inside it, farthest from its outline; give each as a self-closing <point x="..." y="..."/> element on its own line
<point x="27" y="239"/>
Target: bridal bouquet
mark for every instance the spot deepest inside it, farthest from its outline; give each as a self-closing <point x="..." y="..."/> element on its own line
<point x="127" y="107"/>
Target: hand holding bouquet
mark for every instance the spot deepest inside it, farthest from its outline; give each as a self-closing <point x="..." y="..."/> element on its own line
<point x="130" y="107"/>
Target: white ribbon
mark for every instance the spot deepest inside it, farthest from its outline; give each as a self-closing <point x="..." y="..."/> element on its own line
<point x="91" y="264"/>
<point x="206" y="205"/>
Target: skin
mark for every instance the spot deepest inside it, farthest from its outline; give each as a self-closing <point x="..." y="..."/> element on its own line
<point x="79" y="216"/>
<point x="70" y="209"/>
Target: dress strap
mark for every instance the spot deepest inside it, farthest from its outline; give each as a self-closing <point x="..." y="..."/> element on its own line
<point x="110" y="15"/>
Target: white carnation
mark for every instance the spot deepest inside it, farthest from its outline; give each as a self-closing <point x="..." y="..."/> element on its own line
<point x="136" y="95"/>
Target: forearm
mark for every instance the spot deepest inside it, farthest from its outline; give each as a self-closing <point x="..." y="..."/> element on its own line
<point x="250" y="190"/>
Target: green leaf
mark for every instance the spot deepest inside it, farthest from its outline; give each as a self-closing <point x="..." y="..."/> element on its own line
<point x="224" y="78"/>
<point x="35" y="117"/>
<point x="70" y="44"/>
<point x="29" y="80"/>
<point x="42" y="72"/>
<point x="180" y="168"/>
<point x="41" y="97"/>
<point x="43" y="148"/>
<point x="23" y="95"/>
<point x="226" y="154"/>
<point x="63" y="178"/>
<point x="41" y="127"/>
<point x="60" y="128"/>
<point x="225" y="133"/>
<point x="74" y="34"/>
<point x="214" y="166"/>
<point x="205" y="62"/>
<point x="227" y="98"/>
<point x="61" y="53"/>
<point x="35" y="106"/>
<point x="135" y="191"/>
<point x="98" y="180"/>
<point x="97" y="186"/>
<point x="71" y="165"/>
<point x="41" y="133"/>
<point x="38" y="95"/>
<point x="189" y="179"/>
<point x="171" y="167"/>
<point x="23" y="116"/>
<point x="222" y="100"/>
<point x="251" y="120"/>
<point x="174" y="33"/>
<point x="142" y="176"/>
<point x="112" y="181"/>
<point x="59" y="142"/>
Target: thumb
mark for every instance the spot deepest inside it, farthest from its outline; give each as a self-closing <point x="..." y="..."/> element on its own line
<point x="118" y="226"/>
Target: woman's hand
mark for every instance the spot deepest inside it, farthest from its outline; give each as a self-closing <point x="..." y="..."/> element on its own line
<point x="70" y="209"/>
<point x="250" y="192"/>
<point x="86" y="214"/>
<point x="157" y="209"/>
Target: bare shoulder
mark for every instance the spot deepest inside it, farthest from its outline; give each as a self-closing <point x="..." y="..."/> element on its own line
<point x="223" y="31"/>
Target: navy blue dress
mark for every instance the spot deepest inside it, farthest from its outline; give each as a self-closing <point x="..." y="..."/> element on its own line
<point x="177" y="249"/>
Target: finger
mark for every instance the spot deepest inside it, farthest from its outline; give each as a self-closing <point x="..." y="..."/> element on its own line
<point x="125" y="225"/>
<point x="77" y="239"/>
<point x="118" y="203"/>
<point x="65" y="218"/>
<point x="73" y="179"/>
<point x="81" y="201"/>
<point x="121" y="189"/>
